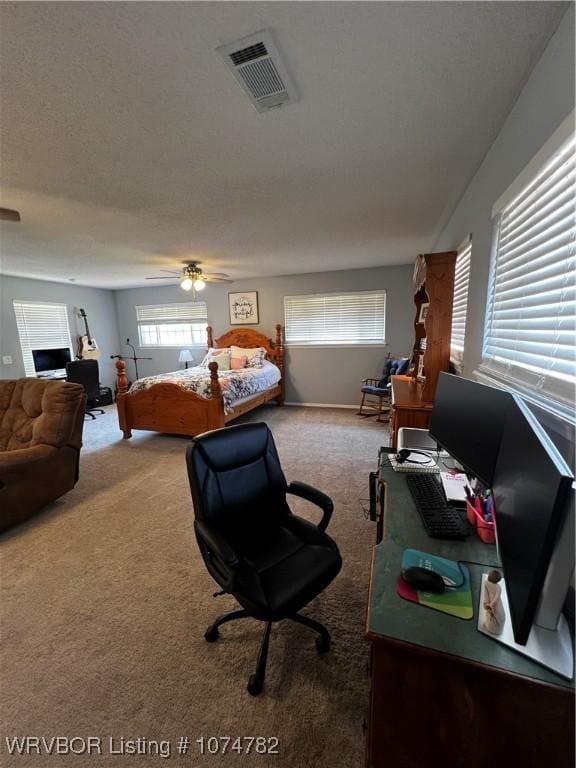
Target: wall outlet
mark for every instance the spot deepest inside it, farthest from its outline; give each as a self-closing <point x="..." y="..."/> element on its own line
<point x="7" y="359"/>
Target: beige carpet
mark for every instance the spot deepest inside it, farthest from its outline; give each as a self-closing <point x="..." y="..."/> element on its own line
<point x="104" y="601"/>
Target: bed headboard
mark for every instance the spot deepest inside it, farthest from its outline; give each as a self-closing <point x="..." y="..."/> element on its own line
<point x="249" y="338"/>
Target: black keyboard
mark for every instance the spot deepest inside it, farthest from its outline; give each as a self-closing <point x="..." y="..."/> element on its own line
<point x="440" y="520"/>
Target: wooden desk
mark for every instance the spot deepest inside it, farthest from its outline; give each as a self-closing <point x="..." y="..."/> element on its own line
<point x="408" y="408"/>
<point x="442" y="693"/>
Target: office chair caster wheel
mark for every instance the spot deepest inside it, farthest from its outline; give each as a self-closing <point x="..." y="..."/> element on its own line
<point x="254" y="686"/>
<point x="211" y="635"/>
<point x="322" y="644"/>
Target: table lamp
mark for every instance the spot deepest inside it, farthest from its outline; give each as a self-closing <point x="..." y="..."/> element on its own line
<point x="185" y="357"/>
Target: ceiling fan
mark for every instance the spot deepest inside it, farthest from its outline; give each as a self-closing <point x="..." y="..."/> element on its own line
<point x="8" y="214"/>
<point x="192" y="277"/>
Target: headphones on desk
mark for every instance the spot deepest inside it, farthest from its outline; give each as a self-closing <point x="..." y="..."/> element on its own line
<point x="403" y="454"/>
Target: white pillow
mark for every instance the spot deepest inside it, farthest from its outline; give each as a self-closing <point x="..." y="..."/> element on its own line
<point x="254" y="357"/>
<point x="216" y="355"/>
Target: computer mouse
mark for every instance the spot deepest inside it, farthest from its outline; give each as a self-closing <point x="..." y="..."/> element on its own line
<point x="423" y="579"/>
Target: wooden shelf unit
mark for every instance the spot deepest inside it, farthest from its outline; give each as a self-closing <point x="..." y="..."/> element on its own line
<point x="412" y="396"/>
<point x="434" y="286"/>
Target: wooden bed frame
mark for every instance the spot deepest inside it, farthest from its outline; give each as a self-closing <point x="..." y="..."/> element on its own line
<point x="169" y="408"/>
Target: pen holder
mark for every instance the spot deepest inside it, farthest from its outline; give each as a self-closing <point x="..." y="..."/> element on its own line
<point x="484" y="528"/>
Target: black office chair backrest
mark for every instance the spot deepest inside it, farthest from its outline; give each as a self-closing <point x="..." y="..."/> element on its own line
<point x="236" y="479"/>
<point x="85" y="372"/>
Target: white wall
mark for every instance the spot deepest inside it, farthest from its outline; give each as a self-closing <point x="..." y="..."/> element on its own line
<point x="547" y="98"/>
<point x="314" y="375"/>
<point x="100" y="309"/>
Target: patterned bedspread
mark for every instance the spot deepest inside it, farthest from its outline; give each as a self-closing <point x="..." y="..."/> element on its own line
<point x="234" y="384"/>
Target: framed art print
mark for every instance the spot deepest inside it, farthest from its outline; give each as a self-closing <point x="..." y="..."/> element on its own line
<point x="243" y="308"/>
<point x="423" y="312"/>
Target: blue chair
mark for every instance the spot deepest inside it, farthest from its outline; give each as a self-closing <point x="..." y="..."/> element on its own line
<point x="379" y="389"/>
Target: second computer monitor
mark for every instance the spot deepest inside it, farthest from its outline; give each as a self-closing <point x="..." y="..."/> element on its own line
<point x="467" y="421"/>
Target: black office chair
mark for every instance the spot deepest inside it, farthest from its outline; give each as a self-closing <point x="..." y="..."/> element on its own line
<point x="273" y="562"/>
<point x="86" y="372"/>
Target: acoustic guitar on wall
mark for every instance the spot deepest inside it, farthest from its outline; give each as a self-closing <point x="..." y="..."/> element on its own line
<point x="87" y="347"/>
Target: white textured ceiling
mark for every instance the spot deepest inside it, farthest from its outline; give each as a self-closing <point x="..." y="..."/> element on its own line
<point x="127" y="145"/>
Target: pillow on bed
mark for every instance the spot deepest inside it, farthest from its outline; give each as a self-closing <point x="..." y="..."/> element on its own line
<point x="238" y="362"/>
<point x="254" y="358"/>
<point x="220" y="356"/>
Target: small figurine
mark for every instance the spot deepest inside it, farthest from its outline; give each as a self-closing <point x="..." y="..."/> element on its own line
<point x="494" y="615"/>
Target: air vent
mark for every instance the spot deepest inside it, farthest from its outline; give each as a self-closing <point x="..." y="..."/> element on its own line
<point x="256" y="64"/>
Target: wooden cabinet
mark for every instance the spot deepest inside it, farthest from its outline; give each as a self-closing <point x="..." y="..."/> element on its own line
<point x="413" y="396"/>
<point x="433" y="297"/>
<point x="408" y="409"/>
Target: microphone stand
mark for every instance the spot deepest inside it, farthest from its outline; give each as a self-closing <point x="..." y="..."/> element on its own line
<point x="134" y="357"/>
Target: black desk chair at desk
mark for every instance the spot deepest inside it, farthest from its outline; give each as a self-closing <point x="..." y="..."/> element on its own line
<point x="86" y="372"/>
<point x="256" y="549"/>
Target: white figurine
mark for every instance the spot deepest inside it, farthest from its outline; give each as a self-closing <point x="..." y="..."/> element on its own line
<point x="494" y="615"/>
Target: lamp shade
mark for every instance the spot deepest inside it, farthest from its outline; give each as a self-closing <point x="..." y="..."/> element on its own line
<point x="185" y="356"/>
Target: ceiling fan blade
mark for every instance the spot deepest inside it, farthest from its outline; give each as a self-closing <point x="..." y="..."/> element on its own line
<point x="221" y="275"/>
<point x="172" y="271"/>
<point x="212" y="279"/>
<point x="162" y="278"/>
<point x="7" y="214"/>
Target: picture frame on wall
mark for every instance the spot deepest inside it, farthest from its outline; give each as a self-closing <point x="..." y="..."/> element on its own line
<point x="423" y="312"/>
<point x="243" y="307"/>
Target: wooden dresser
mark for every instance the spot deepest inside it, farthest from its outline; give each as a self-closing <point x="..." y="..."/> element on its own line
<point x="408" y="407"/>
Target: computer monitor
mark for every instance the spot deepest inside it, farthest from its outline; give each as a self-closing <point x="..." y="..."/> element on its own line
<point x="50" y="359"/>
<point x="532" y="487"/>
<point x="467" y="421"/>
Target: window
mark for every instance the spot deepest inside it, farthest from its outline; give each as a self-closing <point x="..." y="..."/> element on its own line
<point x="460" y="303"/>
<point x="345" y="318"/>
<point x="529" y="338"/>
<point x="173" y="325"/>
<point x="41" y="325"/>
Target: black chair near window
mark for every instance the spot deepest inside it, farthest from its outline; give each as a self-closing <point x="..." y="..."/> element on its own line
<point x="376" y="392"/>
<point x="273" y="562"/>
<point x="86" y="372"/>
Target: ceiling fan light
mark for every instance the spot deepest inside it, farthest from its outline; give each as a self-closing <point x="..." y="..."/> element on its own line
<point x="199" y="284"/>
<point x="186" y="284"/>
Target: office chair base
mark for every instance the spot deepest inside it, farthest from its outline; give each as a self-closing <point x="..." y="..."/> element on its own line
<point x="256" y="681"/>
<point x="91" y="411"/>
<point x="212" y="634"/>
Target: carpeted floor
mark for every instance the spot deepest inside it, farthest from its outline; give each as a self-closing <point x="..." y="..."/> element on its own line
<point x="104" y="601"/>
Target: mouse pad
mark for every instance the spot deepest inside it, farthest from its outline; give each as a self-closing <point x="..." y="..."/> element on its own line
<point x="455" y="600"/>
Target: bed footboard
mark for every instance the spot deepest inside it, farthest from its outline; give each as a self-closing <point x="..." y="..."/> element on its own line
<point x="168" y="407"/>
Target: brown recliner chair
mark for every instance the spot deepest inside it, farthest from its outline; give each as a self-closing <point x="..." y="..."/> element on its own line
<point x="40" y="438"/>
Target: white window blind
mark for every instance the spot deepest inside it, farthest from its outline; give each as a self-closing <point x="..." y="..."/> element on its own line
<point x="529" y="339"/>
<point x="172" y="325"/>
<point x="460" y="302"/>
<point x="41" y="325"/>
<point x="346" y="318"/>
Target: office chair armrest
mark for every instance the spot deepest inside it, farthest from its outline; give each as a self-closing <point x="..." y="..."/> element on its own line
<point x="216" y="543"/>
<point x="307" y="492"/>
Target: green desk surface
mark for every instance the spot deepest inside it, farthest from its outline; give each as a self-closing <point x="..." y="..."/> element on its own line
<point x="392" y="617"/>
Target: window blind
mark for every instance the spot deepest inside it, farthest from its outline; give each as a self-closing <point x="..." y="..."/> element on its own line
<point x="530" y="336"/>
<point x="460" y="302"/>
<point x="172" y="325"/>
<point x="325" y="319"/>
<point x="41" y="325"/>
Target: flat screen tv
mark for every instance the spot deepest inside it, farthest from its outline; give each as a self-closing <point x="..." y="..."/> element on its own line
<point x="467" y="421"/>
<point x="50" y="359"/>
